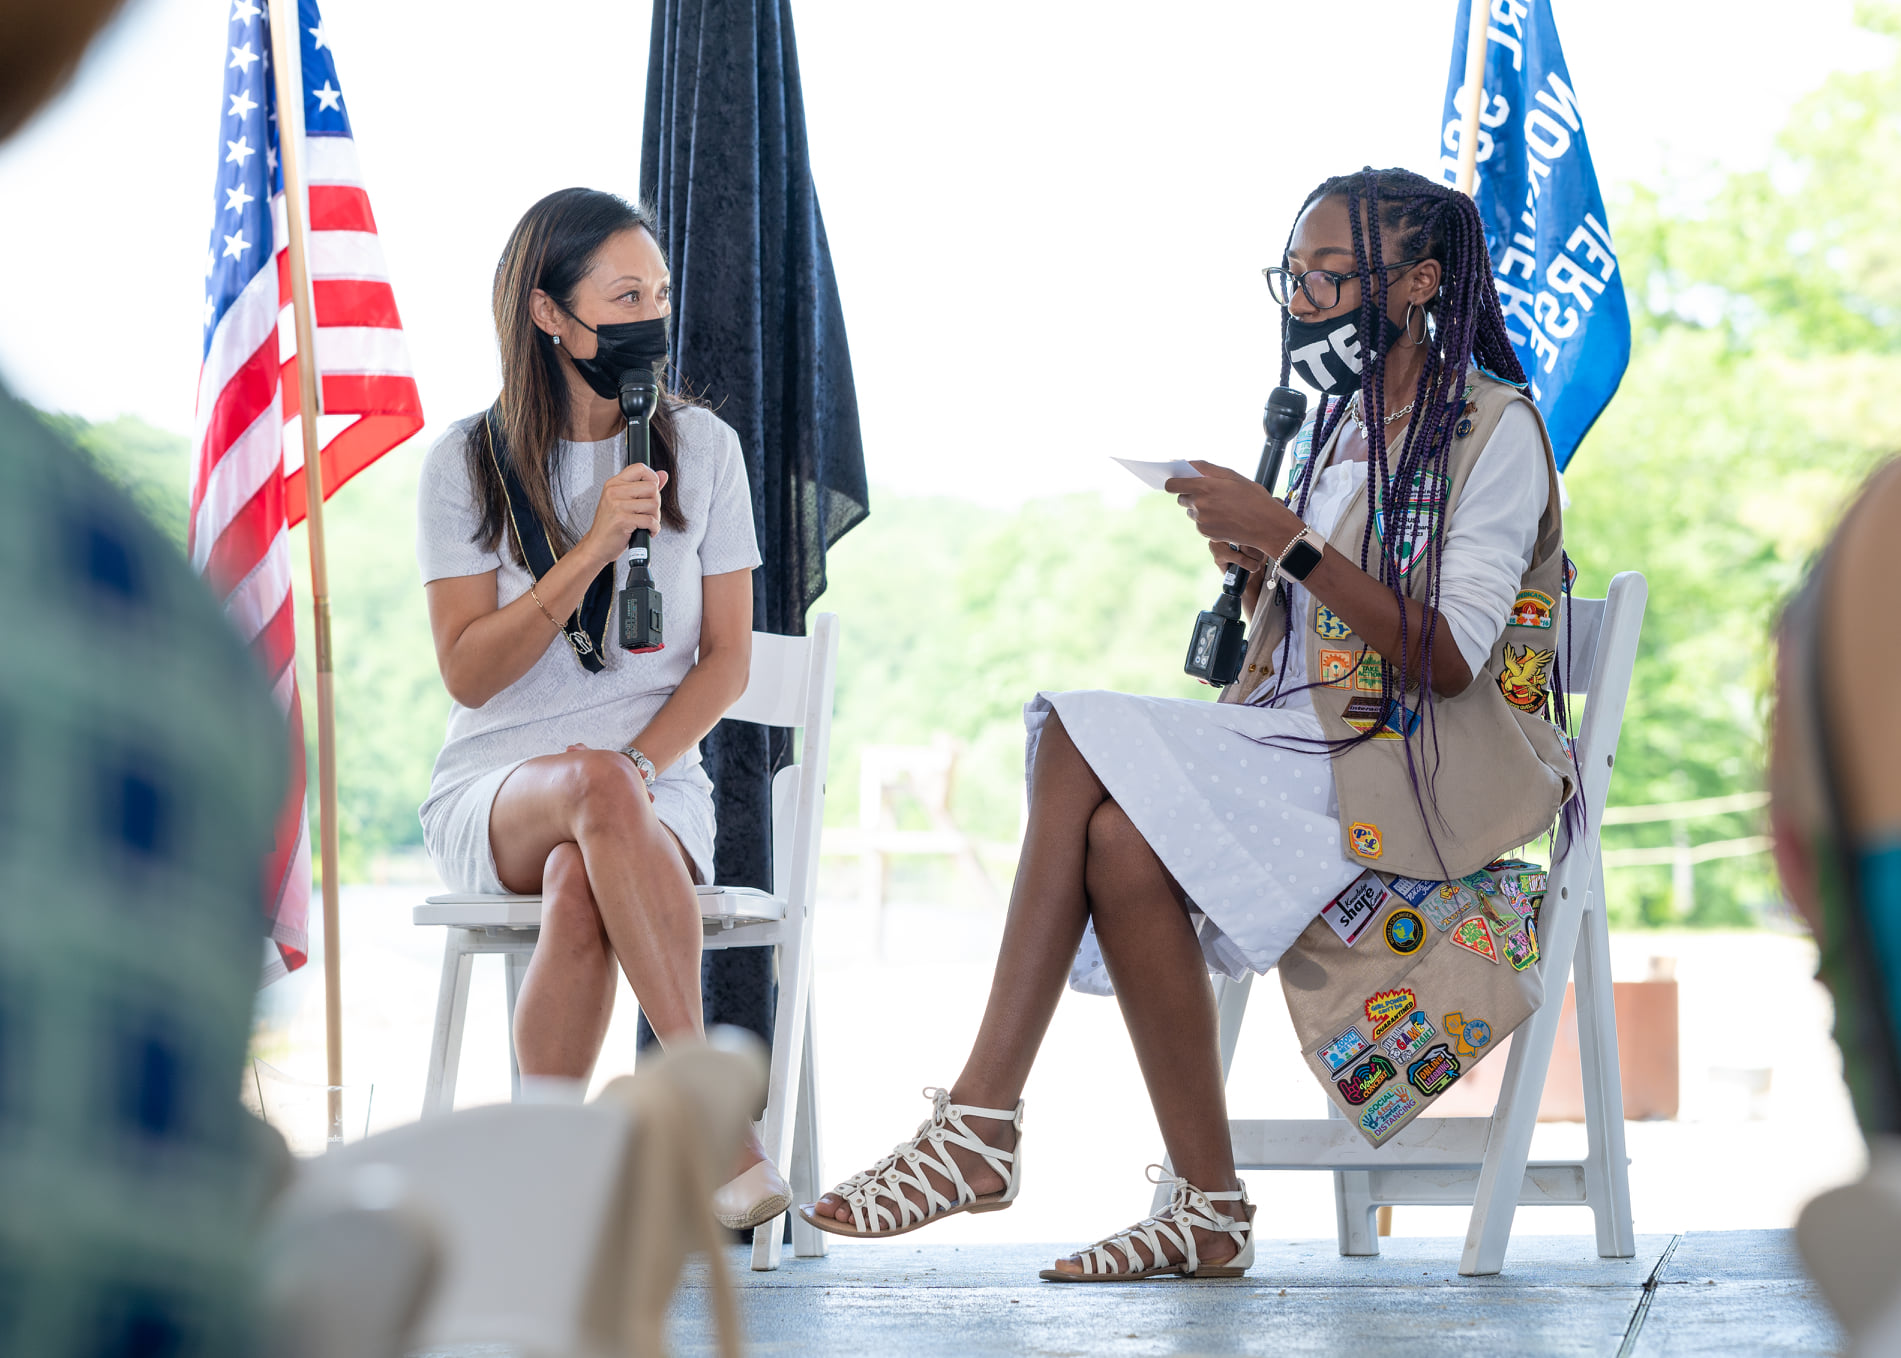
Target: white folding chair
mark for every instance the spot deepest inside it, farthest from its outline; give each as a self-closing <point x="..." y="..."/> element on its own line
<point x="790" y="684"/>
<point x="1485" y="1162"/>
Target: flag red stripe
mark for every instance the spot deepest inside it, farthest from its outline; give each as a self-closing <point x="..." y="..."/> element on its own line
<point x="354" y="301"/>
<point x="276" y="646"/>
<point x="349" y="453"/>
<point x="246" y="396"/>
<point x="338" y="207"/>
<point x="245" y="539"/>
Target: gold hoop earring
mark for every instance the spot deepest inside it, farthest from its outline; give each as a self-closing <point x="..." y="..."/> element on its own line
<point x="1410" y="308"/>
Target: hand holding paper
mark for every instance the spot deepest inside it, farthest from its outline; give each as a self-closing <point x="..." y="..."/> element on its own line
<point x="1156" y="474"/>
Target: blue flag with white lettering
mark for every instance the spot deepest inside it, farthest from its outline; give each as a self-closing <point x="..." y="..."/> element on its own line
<point x="1544" y="218"/>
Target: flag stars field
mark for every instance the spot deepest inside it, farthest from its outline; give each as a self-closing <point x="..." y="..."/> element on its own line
<point x="327" y="97"/>
<point x="237" y="152"/>
<point x="241" y="104"/>
<point x="235" y="199"/>
<point x="242" y="57"/>
<point x="235" y="246"/>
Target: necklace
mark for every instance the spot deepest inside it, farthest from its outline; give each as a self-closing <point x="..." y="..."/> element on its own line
<point x="1359" y="419"/>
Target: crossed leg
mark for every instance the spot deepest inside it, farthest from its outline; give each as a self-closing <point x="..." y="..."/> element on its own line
<point x="580" y="828"/>
<point x="1083" y="858"/>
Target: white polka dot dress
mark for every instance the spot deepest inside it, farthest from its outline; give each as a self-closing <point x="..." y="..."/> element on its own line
<point x="1251" y="832"/>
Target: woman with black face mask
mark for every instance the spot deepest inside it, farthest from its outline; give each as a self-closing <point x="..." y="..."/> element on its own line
<point x="1390" y="717"/>
<point x="572" y="767"/>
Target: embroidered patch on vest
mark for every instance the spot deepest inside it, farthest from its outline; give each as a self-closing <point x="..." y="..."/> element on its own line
<point x="1363" y="713"/>
<point x="1434" y="1072"/>
<point x="1385" y="1113"/>
<point x="1472" y="934"/>
<point x="1372" y="670"/>
<point x="1405" y="931"/>
<point x="1525" y="677"/>
<point x="1409" y="550"/>
<point x="1521" y="949"/>
<point x="1328" y="624"/>
<point x="1411" y="889"/>
<point x="1337" y="668"/>
<point x="1463" y="429"/>
<point x="1352" y="910"/>
<point x="1410" y="1037"/>
<point x="1386" y="1008"/>
<point x="1532" y="608"/>
<point x="1343" y="1050"/>
<point x="1366" y="839"/>
<point x="1443" y="909"/>
<point x="1366" y="1079"/>
<point x="1467" y="1035"/>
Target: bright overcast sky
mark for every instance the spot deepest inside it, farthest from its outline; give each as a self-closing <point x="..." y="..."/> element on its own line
<point x="1067" y="202"/>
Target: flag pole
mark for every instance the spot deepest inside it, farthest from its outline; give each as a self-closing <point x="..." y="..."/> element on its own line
<point x="286" y="55"/>
<point x="1474" y="83"/>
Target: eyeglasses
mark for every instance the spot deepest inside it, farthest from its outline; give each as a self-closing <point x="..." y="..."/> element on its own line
<point x="1322" y="287"/>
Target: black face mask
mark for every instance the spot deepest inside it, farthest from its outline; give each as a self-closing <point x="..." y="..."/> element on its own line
<point x="620" y="348"/>
<point x="1327" y="354"/>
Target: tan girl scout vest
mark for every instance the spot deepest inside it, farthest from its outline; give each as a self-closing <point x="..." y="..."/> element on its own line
<point x="1497" y="772"/>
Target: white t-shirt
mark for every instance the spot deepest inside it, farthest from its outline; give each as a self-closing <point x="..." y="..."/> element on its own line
<point x="1488" y="544"/>
<point x="558" y="703"/>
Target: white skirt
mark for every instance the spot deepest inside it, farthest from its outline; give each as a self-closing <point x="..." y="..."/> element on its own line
<point x="455" y="825"/>
<point x="1251" y="832"/>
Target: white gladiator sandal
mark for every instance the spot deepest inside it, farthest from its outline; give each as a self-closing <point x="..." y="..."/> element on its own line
<point x="1189" y="1208"/>
<point x="880" y="1206"/>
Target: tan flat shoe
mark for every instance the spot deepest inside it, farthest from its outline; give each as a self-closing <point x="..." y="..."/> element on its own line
<point x="752" y="1199"/>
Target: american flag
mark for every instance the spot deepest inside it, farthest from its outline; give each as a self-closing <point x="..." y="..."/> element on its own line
<point x="247" y="478"/>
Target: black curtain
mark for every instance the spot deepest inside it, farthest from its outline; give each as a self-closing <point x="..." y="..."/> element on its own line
<point x="760" y="336"/>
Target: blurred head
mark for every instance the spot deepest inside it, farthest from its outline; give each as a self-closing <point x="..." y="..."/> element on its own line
<point x="578" y="259"/>
<point x="40" y="47"/>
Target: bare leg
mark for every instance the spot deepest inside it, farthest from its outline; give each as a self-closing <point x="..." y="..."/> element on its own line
<point x="1040" y="935"/>
<point x="567" y="997"/>
<point x="634" y="872"/>
<point x="1161" y="981"/>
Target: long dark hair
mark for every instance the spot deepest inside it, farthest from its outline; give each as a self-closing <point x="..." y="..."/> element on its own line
<point x="1464" y="322"/>
<point x="552" y="248"/>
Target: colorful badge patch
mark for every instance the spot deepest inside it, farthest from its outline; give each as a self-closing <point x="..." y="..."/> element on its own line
<point x="1371" y="670"/>
<point x="1364" y="712"/>
<point x="1411" y="890"/>
<point x="1444" y="904"/>
<point x="1336" y="668"/>
<point x="1405" y="931"/>
<point x="1532" y="609"/>
<point x="1382" y="1116"/>
<point x="1366" y="839"/>
<point x="1416" y="537"/>
<point x="1467" y="1035"/>
<point x="1521" y="949"/>
<point x="1533" y="883"/>
<point x="1472" y="934"/>
<point x="1482" y="883"/>
<point x="1366" y="1079"/>
<point x="1501" y="914"/>
<point x="1434" y="1072"/>
<point x="1525" y="677"/>
<point x="1409" y="1037"/>
<point x="1387" y="1008"/>
<point x="1352" y="910"/>
<point x="1343" y="1050"/>
<point x="1463" y="429"/>
<point x="1327" y="623"/>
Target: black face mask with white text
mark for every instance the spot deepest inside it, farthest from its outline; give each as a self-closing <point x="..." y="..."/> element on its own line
<point x="1328" y="354"/>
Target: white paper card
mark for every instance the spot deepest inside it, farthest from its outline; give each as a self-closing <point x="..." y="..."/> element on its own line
<point x="1352" y="910"/>
<point x="1155" y="473"/>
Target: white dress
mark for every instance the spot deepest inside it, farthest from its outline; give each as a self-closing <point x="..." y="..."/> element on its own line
<point x="1251" y="831"/>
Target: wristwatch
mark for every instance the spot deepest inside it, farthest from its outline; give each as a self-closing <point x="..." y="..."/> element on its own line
<point x="641" y="762"/>
<point x="1302" y="555"/>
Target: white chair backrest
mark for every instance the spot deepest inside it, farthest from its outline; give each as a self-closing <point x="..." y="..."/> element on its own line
<point x="1602" y="653"/>
<point x="1578" y="628"/>
<point x="776" y="686"/>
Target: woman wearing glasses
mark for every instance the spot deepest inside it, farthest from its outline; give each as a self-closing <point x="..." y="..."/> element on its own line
<point x="1390" y="715"/>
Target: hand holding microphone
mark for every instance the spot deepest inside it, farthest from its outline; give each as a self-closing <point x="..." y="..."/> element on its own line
<point x="630" y="501"/>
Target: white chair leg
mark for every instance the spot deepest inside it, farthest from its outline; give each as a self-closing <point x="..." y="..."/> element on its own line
<point x="452" y="1004"/>
<point x="1354" y="1213"/>
<point x="782" y="1088"/>
<point x="804" y="1174"/>
<point x="514" y="967"/>
<point x="1515" y="1117"/>
<point x="1606" y="1166"/>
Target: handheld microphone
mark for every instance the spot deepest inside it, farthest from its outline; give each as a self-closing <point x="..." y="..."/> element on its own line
<point x="641" y="629"/>
<point x="1219" y="640"/>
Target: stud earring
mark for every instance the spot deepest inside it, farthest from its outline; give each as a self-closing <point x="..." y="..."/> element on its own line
<point x="555" y="338"/>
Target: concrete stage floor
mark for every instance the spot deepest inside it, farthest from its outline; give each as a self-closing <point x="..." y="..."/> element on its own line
<point x="1723" y="1292"/>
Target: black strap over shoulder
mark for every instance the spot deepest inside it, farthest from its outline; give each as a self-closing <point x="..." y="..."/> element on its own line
<point x="586" y="627"/>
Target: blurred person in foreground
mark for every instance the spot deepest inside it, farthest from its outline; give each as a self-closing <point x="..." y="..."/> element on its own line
<point x="1835" y="788"/>
<point x="1170" y="837"/>
<point x="141" y="762"/>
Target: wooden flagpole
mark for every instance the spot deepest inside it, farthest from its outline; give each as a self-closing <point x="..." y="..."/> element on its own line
<point x="286" y="55"/>
<point x="1475" y="41"/>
